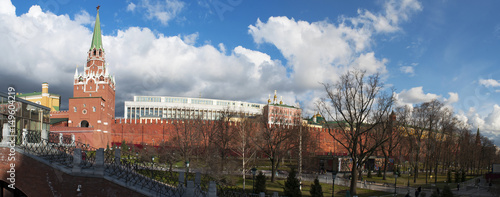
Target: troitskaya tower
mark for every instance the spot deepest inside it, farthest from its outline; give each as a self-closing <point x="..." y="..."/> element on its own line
<point x="93" y="101"/>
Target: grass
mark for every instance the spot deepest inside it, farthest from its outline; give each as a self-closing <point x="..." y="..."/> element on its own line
<point x="402" y="181"/>
<point x="279" y="184"/>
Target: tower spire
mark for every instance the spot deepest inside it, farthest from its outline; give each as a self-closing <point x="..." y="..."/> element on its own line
<point x="96" y="38"/>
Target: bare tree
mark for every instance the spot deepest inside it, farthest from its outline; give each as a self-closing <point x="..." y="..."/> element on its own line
<point x="273" y="140"/>
<point x="242" y="145"/>
<point x="222" y="137"/>
<point x="358" y="105"/>
<point x="394" y="140"/>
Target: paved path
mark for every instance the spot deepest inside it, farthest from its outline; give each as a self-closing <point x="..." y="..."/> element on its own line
<point x="468" y="188"/>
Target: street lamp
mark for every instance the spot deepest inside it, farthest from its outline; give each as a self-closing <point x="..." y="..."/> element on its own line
<point x="254" y="170"/>
<point x="187" y="170"/>
<point x="153" y="161"/>
<point x="334" y="175"/>
<point x="395" y="182"/>
<point x="409" y="174"/>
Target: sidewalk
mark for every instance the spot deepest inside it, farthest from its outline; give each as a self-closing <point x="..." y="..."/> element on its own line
<point x="467" y="188"/>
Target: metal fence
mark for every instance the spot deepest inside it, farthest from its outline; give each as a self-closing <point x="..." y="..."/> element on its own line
<point x="142" y="175"/>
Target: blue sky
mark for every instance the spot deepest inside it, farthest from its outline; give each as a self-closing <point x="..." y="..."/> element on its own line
<point x="244" y="50"/>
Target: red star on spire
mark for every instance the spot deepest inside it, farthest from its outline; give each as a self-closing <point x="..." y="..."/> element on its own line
<point x="98" y="7"/>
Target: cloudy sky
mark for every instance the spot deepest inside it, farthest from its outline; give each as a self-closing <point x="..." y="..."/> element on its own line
<point x="244" y="50"/>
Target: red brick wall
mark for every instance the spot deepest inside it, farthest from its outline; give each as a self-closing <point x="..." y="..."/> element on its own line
<point x="136" y="132"/>
<point x="37" y="179"/>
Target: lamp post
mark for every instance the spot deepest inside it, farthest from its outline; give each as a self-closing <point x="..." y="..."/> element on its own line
<point x="395" y="182"/>
<point x="153" y="161"/>
<point x="254" y="170"/>
<point x="409" y="174"/>
<point x="334" y="175"/>
<point x="187" y="171"/>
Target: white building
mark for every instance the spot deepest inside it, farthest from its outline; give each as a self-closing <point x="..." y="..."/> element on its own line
<point x="165" y="107"/>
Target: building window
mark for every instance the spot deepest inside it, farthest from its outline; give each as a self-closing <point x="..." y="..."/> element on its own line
<point x="74" y="109"/>
<point x="93" y="109"/>
<point x="84" y="105"/>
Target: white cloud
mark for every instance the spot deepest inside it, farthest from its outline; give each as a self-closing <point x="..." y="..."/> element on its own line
<point x="84" y="18"/>
<point x="161" y="10"/>
<point x="407" y="70"/>
<point x="452" y="99"/>
<point x="489" y="125"/>
<point x="6" y="8"/>
<point x="489" y="82"/>
<point x="222" y="48"/>
<point x="395" y="12"/>
<point x="191" y="38"/>
<point x="131" y="7"/>
<point x="414" y="95"/>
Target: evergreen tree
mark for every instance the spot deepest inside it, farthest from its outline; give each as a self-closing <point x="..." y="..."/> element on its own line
<point x="457" y="176"/>
<point x="463" y="175"/>
<point x="316" y="190"/>
<point x="292" y="185"/>
<point x="447" y="192"/>
<point x="260" y="183"/>
<point x="448" y="177"/>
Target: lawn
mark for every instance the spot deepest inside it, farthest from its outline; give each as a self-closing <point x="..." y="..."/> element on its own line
<point x="402" y="181"/>
<point x="340" y="191"/>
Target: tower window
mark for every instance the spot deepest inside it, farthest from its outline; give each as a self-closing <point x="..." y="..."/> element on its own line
<point x="74" y="109"/>
<point x="94" y="52"/>
<point x="99" y="53"/>
<point x="93" y="109"/>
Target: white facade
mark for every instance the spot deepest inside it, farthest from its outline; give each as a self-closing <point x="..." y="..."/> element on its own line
<point x="165" y="107"/>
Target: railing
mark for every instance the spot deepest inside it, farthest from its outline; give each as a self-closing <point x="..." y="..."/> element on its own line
<point x="138" y="174"/>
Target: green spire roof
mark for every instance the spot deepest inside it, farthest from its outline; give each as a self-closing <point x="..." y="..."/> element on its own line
<point x="96" y="38"/>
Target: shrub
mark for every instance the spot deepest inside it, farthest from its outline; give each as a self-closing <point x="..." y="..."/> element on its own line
<point x="457" y="176"/>
<point x="292" y="185"/>
<point x="260" y="183"/>
<point x="463" y="175"/>
<point x="316" y="190"/>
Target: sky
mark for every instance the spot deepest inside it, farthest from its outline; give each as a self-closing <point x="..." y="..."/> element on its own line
<point x="244" y="50"/>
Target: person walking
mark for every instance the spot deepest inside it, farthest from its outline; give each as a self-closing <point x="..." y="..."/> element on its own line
<point x="458" y="186"/>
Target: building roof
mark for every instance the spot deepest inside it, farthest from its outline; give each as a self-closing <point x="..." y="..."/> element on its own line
<point x="34" y="94"/>
<point x="57" y="120"/>
<point x="282" y="105"/>
<point x="96" y="38"/>
<point x="5" y="95"/>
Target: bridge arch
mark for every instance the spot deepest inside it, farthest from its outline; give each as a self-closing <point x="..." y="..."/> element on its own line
<point x="5" y="190"/>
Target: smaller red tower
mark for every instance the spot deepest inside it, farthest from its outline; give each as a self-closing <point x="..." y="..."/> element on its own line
<point x="93" y="101"/>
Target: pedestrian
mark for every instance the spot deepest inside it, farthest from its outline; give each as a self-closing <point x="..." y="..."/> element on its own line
<point x="489" y="186"/>
<point x="407" y="194"/>
<point x="417" y="193"/>
<point x="458" y="187"/>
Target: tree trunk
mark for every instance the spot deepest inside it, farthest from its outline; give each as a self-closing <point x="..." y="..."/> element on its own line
<point x="243" y="169"/>
<point x="273" y="169"/>
<point x="385" y="168"/>
<point x="354" y="175"/>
